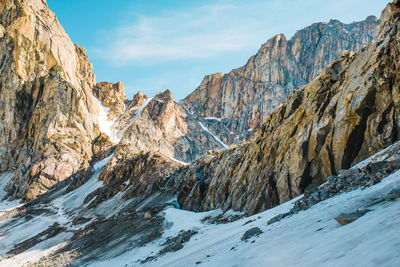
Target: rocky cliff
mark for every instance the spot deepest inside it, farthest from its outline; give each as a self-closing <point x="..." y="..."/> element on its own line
<point x="55" y="120"/>
<point x="350" y="111"/>
<point x="48" y="112"/>
<point x="245" y="96"/>
<point x="118" y="209"/>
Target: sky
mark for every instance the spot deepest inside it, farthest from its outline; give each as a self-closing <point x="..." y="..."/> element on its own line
<point x="152" y="45"/>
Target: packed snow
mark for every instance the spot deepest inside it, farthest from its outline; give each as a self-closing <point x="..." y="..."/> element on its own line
<point x="106" y="126"/>
<point x="61" y="209"/>
<point x="309" y="238"/>
<point x="215" y="137"/>
<point x="6" y="204"/>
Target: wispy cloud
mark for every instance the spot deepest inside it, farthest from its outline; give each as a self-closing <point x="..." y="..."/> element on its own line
<point x="209" y="30"/>
<point x="200" y="32"/>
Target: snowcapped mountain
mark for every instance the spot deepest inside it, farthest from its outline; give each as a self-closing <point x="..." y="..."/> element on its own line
<point x="91" y="178"/>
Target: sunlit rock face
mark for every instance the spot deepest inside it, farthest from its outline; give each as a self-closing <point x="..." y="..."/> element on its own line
<point x="47" y="110"/>
<point x="164" y="126"/>
<point x="244" y="97"/>
<point x="348" y="112"/>
<point x="54" y="118"/>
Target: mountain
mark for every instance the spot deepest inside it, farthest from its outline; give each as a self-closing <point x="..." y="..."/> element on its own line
<point x="48" y="112"/>
<point x="347" y="113"/>
<point x="244" y="97"/>
<point x="53" y="113"/>
<point x="324" y="164"/>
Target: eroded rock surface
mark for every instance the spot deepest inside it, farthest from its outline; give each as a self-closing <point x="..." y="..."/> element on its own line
<point x="350" y="111"/>
<point x="244" y="97"/>
<point x="48" y="115"/>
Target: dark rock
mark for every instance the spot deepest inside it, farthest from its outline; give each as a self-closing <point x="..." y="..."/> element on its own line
<point x="394" y="194"/>
<point x="277" y="218"/>
<point x="252" y="232"/>
<point x="374" y="167"/>
<point x="176" y="243"/>
<point x="350" y="172"/>
<point x="311" y="189"/>
<point x="346" y="218"/>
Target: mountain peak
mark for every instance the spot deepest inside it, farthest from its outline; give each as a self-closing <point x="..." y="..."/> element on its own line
<point x="245" y="96"/>
<point x="165" y="96"/>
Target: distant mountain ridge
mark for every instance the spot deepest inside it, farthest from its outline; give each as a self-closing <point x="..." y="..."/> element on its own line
<point x="246" y="95"/>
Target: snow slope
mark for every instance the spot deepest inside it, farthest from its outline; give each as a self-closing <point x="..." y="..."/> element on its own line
<point x="309" y="238"/>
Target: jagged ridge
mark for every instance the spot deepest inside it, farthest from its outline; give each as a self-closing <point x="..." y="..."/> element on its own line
<point x="245" y="96"/>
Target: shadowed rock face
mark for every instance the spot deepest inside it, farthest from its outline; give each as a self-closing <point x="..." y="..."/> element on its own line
<point x="245" y="96"/>
<point x="350" y="111"/>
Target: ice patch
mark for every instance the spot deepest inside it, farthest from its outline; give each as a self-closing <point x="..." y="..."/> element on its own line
<point x="215" y="137"/>
<point x="213" y="118"/>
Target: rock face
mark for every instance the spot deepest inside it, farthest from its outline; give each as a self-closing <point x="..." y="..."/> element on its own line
<point x="245" y="96"/>
<point x="350" y="111"/>
<point x="55" y="119"/>
<point x="47" y="110"/>
<point x="166" y="127"/>
<point x="111" y="96"/>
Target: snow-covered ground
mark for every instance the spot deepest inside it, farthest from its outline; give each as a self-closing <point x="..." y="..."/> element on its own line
<point x="309" y="238"/>
<point x="6" y="205"/>
<point x="14" y="231"/>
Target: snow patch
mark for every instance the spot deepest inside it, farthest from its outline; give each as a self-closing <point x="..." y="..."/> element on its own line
<point x="215" y="137"/>
<point x="75" y="198"/>
<point x="6" y="205"/>
<point x="106" y="126"/>
<point x="38" y="251"/>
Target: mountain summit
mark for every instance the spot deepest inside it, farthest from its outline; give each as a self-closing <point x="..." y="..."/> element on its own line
<point x="243" y="98"/>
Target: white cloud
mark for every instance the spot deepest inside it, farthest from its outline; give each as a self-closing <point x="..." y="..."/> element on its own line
<point x="202" y="32"/>
<point x="215" y="29"/>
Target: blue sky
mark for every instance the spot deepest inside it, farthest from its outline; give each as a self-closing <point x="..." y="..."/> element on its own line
<point x="152" y="45"/>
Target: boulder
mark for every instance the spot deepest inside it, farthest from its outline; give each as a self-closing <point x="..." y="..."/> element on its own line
<point x="346" y="218"/>
<point x="251" y="232"/>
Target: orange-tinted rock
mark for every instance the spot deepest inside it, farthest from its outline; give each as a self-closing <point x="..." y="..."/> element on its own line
<point x="244" y="97"/>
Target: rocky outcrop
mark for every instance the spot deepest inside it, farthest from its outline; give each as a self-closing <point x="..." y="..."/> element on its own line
<point x="47" y="110"/>
<point x="111" y="96"/>
<point x="162" y="125"/>
<point x="244" y="97"/>
<point x="350" y="111"/>
<point x="55" y="120"/>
